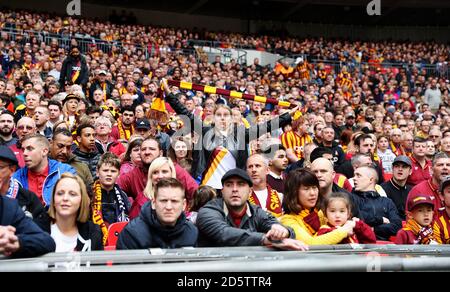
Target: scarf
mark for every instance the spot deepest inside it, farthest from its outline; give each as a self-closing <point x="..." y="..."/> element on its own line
<point x="424" y="234"/>
<point x="97" y="216"/>
<point x="273" y="204"/>
<point x="13" y="189"/>
<point x="122" y="132"/>
<point x="311" y="220"/>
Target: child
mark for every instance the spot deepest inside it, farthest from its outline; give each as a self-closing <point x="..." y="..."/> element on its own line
<point x="419" y="226"/>
<point x="202" y="195"/>
<point x="337" y="209"/>
<point x="110" y="204"/>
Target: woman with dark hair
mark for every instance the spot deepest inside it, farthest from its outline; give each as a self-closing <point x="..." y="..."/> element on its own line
<point x="300" y="204"/>
<point x="132" y="157"/>
<point x="180" y="152"/>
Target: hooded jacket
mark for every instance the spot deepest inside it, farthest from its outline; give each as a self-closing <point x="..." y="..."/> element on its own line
<point x="146" y="231"/>
<point x="66" y="71"/>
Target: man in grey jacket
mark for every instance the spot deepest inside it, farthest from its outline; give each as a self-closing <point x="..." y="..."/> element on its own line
<point x="233" y="221"/>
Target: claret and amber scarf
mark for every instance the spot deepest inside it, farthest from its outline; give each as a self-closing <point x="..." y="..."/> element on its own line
<point x="273" y="204"/>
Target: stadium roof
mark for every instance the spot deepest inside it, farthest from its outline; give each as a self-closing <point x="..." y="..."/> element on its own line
<point x="393" y="12"/>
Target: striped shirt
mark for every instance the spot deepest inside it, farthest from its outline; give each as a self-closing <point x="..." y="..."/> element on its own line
<point x="441" y="228"/>
<point x="292" y="140"/>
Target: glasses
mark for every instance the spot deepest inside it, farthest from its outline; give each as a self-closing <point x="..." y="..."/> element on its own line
<point x="25" y="127"/>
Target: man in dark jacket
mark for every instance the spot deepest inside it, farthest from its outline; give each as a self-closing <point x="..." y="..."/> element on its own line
<point x="101" y="83"/>
<point x="19" y="235"/>
<point x="11" y="188"/>
<point x="74" y="69"/>
<point x="87" y="150"/>
<point x="378" y="212"/>
<point x="328" y="142"/>
<point x="163" y="225"/>
<point x="232" y="221"/>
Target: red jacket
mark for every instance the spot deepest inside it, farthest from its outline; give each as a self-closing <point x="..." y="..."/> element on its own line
<point x="19" y="154"/>
<point x="405" y="236"/>
<point x="419" y="174"/>
<point x="363" y="233"/>
<point x="133" y="183"/>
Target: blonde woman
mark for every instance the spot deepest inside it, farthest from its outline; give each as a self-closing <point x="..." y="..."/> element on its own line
<point x="69" y="211"/>
<point x="161" y="167"/>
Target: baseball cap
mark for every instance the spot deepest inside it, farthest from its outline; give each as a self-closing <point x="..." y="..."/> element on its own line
<point x="418" y="199"/>
<point x="403" y="159"/>
<point x="299" y="60"/>
<point x="445" y="182"/>
<point x="102" y="72"/>
<point x="237" y="172"/>
<point x="142" y="124"/>
<point x="350" y="114"/>
<point x="7" y="154"/>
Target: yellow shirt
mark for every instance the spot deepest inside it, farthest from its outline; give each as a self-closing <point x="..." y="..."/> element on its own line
<point x="303" y="234"/>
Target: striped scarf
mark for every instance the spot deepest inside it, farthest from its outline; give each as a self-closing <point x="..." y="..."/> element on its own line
<point x="273" y="204"/>
<point x="311" y="220"/>
<point x="97" y="214"/>
<point x="441" y="228"/>
<point x="124" y="134"/>
<point x="424" y="234"/>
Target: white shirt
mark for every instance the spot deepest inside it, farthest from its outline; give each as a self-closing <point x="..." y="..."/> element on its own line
<point x="63" y="242"/>
<point x="262" y="198"/>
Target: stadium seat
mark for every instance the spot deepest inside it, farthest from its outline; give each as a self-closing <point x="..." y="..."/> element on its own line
<point x="113" y="234"/>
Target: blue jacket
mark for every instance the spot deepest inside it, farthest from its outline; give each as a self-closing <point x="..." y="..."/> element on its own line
<point x="55" y="170"/>
<point x="146" y="231"/>
<point x="33" y="241"/>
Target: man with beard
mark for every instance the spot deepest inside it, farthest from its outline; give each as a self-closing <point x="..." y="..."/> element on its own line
<point x="7" y="128"/>
<point x="61" y="150"/>
<point x="74" y="69"/>
<point x="124" y="128"/>
<point x="278" y="161"/>
<point x="262" y="194"/>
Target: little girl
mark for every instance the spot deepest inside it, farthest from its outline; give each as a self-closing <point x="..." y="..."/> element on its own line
<point x="385" y="154"/>
<point x="337" y="208"/>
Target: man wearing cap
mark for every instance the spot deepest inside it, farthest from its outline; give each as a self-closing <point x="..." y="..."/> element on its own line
<point x="396" y="188"/>
<point x="349" y="122"/>
<point x="419" y="226"/>
<point x="232" y="221"/>
<point x="74" y="69"/>
<point x="441" y="227"/>
<point x="142" y="128"/>
<point x="103" y="85"/>
<point x="11" y="188"/>
<point x="440" y="169"/>
<point x="125" y="125"/>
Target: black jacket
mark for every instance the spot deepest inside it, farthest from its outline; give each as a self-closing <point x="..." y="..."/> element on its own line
<point x="33" y="241"/>
<point x="90" y="233"/>
<point x="90" y="159"/>
<point x="372" y="208"/>
<point x="70" y="64"/>
<point x="96" y="85"/>
<point x="201" y="155"/>
<point x="146" y="231"/>
<point x="32" y="207"/>
<point x="338" y="153"/>
<point x="398" y="195"/>
<point x="217" y="227"/>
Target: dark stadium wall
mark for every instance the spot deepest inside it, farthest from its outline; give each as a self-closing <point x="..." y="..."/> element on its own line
<point x="441" y="34"/>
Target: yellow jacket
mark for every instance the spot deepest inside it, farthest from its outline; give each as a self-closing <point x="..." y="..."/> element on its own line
<point x="303" y="234"/>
